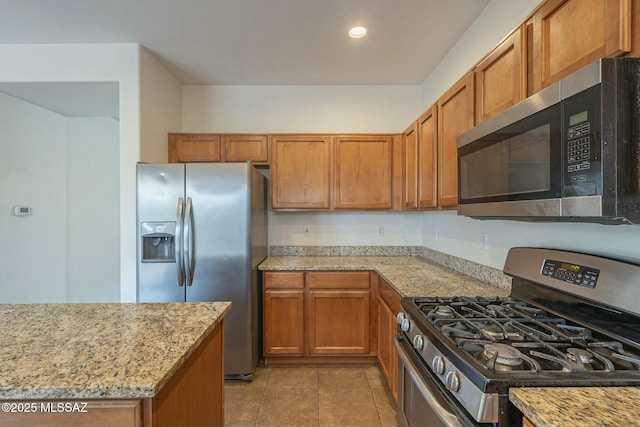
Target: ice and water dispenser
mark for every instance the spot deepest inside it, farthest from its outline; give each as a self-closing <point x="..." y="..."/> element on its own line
<point x="158" y="241"/>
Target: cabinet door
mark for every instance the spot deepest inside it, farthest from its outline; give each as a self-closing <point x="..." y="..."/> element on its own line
<point x="284" y="322"/>
<point x="240" y="148"/>
<point x="569" y="34"/>
<point x="428" y="159"/>
<point x="186" y="148"/>
<point x="500" y="78"/>
<point x="388" y="306"/>
<point x="387" y="355"/>
<point x="364" y="168"/>
<point x="301" y="172"/>
<point x="455" y="116"/>
<point x="338" y="322"/>
<point x="410" y="166"/>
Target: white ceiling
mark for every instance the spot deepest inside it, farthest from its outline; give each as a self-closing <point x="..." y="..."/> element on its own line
<point x="258" y="42"/>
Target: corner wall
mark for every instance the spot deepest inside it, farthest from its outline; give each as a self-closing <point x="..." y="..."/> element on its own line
<point x="95" y="63"/>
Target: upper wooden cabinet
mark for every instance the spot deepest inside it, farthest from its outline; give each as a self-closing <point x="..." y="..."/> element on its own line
<point x="428" y="159"/>
<point x="420" y="162"/>
<point x="327" y="172"/>
<point x="207" y="147"/>
<point x="569" y="34"/>
<point x="500" y="78"/>
<point x="363" y="172"/>
<point x="301" y="167"/>
<point x="410" y="165"/>
<point x="455" y="116"/>
<point x="186" y="148"/>
<point x="240" y="148"/>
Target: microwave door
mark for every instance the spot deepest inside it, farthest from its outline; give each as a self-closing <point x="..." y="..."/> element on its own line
<point x="514" y="171"/>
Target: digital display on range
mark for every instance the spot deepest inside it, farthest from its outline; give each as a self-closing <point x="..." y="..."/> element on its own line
<point x="571" y="273"/>
<point x="570" y="267"/>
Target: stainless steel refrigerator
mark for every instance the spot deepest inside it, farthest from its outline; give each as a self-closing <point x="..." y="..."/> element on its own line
<point x="202" y="231"/>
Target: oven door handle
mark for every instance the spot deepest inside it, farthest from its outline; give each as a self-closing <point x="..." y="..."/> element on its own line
<point x="447" y="417"/>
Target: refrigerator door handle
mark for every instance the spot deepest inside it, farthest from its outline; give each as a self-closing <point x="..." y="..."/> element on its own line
<point x="178" y="240"/>
<point x="189" y="258"/>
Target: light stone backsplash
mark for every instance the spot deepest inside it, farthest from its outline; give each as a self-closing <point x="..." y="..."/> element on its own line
<point x="478" y="271"/>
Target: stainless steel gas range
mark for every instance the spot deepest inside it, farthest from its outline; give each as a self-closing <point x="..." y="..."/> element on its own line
<point x="571" y="320"/>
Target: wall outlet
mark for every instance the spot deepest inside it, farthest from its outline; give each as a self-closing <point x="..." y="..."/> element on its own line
<point x="484" y="241"/>
<point x="435" y="233"/>
<point x="380" y="230"/>
<point x="306" y="230"/>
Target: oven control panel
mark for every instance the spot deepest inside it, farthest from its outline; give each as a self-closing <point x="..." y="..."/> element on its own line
<point x="571" y="273"/>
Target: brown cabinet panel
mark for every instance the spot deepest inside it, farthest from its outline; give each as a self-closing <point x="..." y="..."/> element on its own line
<point x="301" y="172"/>
<point x="241" y="148"/>
<point x="363" y="170"/>
<point x="339" y="280"/>
<point x="330" y="317"/>
<point x="96" y="413"/>
<point x="388" y="306"/>
<point x="500" y="78"/>
<point x="455" y="116"/>
<point x="283" y="280"/>
<point x="338" y="322"/>
<point x="569" y="34"/>
<point x="387" y="355"/>
<point x="194" y="396"/>
<point x="428" y="159"/>
<point x="185" y="148"/>
<point x="284" y="322"/>
<point x="410" y="159"/>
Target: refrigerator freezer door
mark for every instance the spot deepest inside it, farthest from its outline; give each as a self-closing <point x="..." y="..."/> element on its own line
<point x="221" y="257"/>
<point x="160" y="187"/>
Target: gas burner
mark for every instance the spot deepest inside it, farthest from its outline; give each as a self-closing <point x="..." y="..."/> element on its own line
<point x="502" y="356"/>
<point x="496" y="332"/>
<point x="578" y="354"/>
<point x="441" y="311"/>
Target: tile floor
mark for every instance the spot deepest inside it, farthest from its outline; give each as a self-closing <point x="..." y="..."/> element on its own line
<point x="318" y="396"/>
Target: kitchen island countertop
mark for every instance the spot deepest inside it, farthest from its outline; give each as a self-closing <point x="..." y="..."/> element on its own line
<point x="105" y="351"/>
<point x="410" y="276"/>
<point x="578" y="406"/>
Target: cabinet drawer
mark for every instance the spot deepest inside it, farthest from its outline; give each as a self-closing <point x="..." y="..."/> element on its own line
<point x="285" y="280"/>
<point x="339" y="280"/>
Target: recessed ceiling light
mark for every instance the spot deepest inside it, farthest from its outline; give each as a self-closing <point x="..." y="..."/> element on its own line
<point x="357" y="32"/>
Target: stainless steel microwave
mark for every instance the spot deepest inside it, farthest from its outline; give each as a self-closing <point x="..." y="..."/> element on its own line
<point x="570" y="152"/>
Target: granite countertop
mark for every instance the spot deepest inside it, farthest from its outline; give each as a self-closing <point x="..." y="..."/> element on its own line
<point x="86" y="351"/>
<point x="578" y="406"/>
<point x="410" y="276"/>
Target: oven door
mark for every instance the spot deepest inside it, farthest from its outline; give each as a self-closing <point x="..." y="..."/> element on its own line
<point x="512" y="166"/>
<point x="422" y="400"/>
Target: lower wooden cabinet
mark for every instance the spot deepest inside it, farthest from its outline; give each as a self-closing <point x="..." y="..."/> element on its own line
<point x="283" y="322"/>
<point x="316" y="314"/>
<point x="339" y="322"/>
<point x="388" y="307"/>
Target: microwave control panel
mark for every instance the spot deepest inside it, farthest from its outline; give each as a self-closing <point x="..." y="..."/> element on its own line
<point x="579" y="147"/>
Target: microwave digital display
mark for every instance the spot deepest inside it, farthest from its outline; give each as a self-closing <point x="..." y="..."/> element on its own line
<point x="578" y="118"/>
